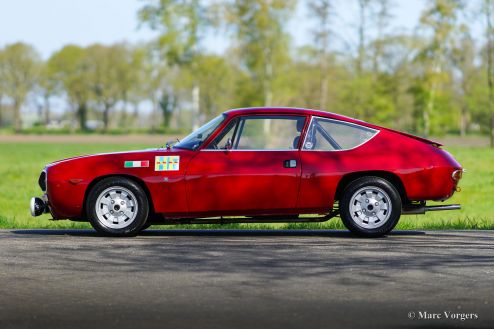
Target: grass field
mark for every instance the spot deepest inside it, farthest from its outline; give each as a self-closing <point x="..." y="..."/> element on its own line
<point x="21" y="163"/>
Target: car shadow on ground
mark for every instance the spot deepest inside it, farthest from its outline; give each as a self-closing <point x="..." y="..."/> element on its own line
<point x="212" y="232"/>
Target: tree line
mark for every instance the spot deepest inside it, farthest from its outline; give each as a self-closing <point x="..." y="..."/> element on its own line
<point x="436" y="79"/>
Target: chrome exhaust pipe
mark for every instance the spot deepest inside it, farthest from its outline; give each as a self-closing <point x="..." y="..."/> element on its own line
<point x="37" y="206"/>
<point x="423" y="209"/>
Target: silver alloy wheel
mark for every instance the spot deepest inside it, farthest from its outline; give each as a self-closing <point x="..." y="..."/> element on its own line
<point x="116" y="207"/>
<point x="370" y="207"/>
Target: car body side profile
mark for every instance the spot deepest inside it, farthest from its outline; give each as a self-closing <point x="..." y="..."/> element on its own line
<point x="257" y="165"/>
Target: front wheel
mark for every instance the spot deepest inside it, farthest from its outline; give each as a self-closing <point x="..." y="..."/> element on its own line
<point x="117" y="206"/>
<point x="370" y="207"/>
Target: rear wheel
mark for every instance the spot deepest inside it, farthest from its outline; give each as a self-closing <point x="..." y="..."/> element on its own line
<point x="146" y="226"/>
<point x="370" y="206"/>
<point x="117" y="206"/>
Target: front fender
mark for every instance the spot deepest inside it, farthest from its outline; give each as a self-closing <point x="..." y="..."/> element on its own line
<point x="69" y="181"/>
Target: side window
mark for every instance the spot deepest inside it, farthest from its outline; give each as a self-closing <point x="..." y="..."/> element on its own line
<point x="332" y="135"/>
<point x="266" y="133"/>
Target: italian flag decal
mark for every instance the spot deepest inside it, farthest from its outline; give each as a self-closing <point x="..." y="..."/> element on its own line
<point x="136" y="164"/>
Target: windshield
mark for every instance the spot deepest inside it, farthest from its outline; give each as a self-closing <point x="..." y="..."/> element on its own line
<point x="194" y="140"/>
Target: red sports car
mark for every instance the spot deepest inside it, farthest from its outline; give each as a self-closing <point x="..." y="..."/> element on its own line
<point x="257" y="165"/>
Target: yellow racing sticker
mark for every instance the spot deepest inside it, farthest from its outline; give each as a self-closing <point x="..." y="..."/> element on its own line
<point x="167" y="163"/>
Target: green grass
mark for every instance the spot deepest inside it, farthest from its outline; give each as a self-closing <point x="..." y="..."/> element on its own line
<point x="21" y="163"/>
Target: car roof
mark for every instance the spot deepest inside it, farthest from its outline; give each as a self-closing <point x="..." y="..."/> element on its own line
<point x="330" y="115"/>
<point x="295" y="110"/>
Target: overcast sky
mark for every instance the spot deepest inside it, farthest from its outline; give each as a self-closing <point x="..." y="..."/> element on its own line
<point x="50" y="24"/>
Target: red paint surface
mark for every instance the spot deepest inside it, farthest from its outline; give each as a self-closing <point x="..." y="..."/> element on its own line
<point x="211" y="183"/>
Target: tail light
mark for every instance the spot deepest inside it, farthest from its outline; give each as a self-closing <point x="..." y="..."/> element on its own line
<point x="457" y="174"/>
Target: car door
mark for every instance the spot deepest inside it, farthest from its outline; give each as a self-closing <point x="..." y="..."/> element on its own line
<point x="331" y="149"/>
<point x="251" y="167"/>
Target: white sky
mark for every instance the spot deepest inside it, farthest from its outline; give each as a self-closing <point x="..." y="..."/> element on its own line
<point x="50" y="24"/>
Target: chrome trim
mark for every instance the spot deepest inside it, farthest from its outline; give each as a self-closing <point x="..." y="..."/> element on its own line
<point x="338" y="121"/>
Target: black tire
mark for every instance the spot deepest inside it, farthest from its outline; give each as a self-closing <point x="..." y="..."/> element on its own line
<point x="146" y="226"/>
<point x="385" y="220"/>
<point x="136" y="202"/>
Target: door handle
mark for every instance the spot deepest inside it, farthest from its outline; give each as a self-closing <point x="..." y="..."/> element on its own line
<point x="290" y="163"/>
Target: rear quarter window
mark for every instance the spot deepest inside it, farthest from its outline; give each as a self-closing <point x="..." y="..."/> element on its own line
<point x="333" y="135"/>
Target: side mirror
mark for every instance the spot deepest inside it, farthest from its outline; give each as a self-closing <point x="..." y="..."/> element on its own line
<point x="228" y="144"/>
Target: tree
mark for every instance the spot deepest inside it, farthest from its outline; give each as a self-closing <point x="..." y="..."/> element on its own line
<point x="440" y="18"/>
<point x="18" y="71"/>
<point x="364" y="7"/>
<point x="136" y="93"/>
<point x="368" y="94"/>
<point x="179" y="23"/>
<point x="259" y="28"/>
<point x="322" y="11"/>
<point x="1" y="108"/>
<point x="396" y="75"/>
<point x="464" y="56"/>
<point x="216" y="78"/>
<point x="488" y="12"/>
<point x="48" y="85"/>
<point x="71" y="68"/>
<point x="381" y="18"/>
<point x="131" y="85"/>
<point x="109" y="76"/>
<point x="156" y="82"/>
<point x="367" y="100"/>
<point x="2" y="89"/>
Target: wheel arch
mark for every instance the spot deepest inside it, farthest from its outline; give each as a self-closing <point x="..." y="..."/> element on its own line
<point x="389" y="176"/>
<point x="135" y="179"/>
